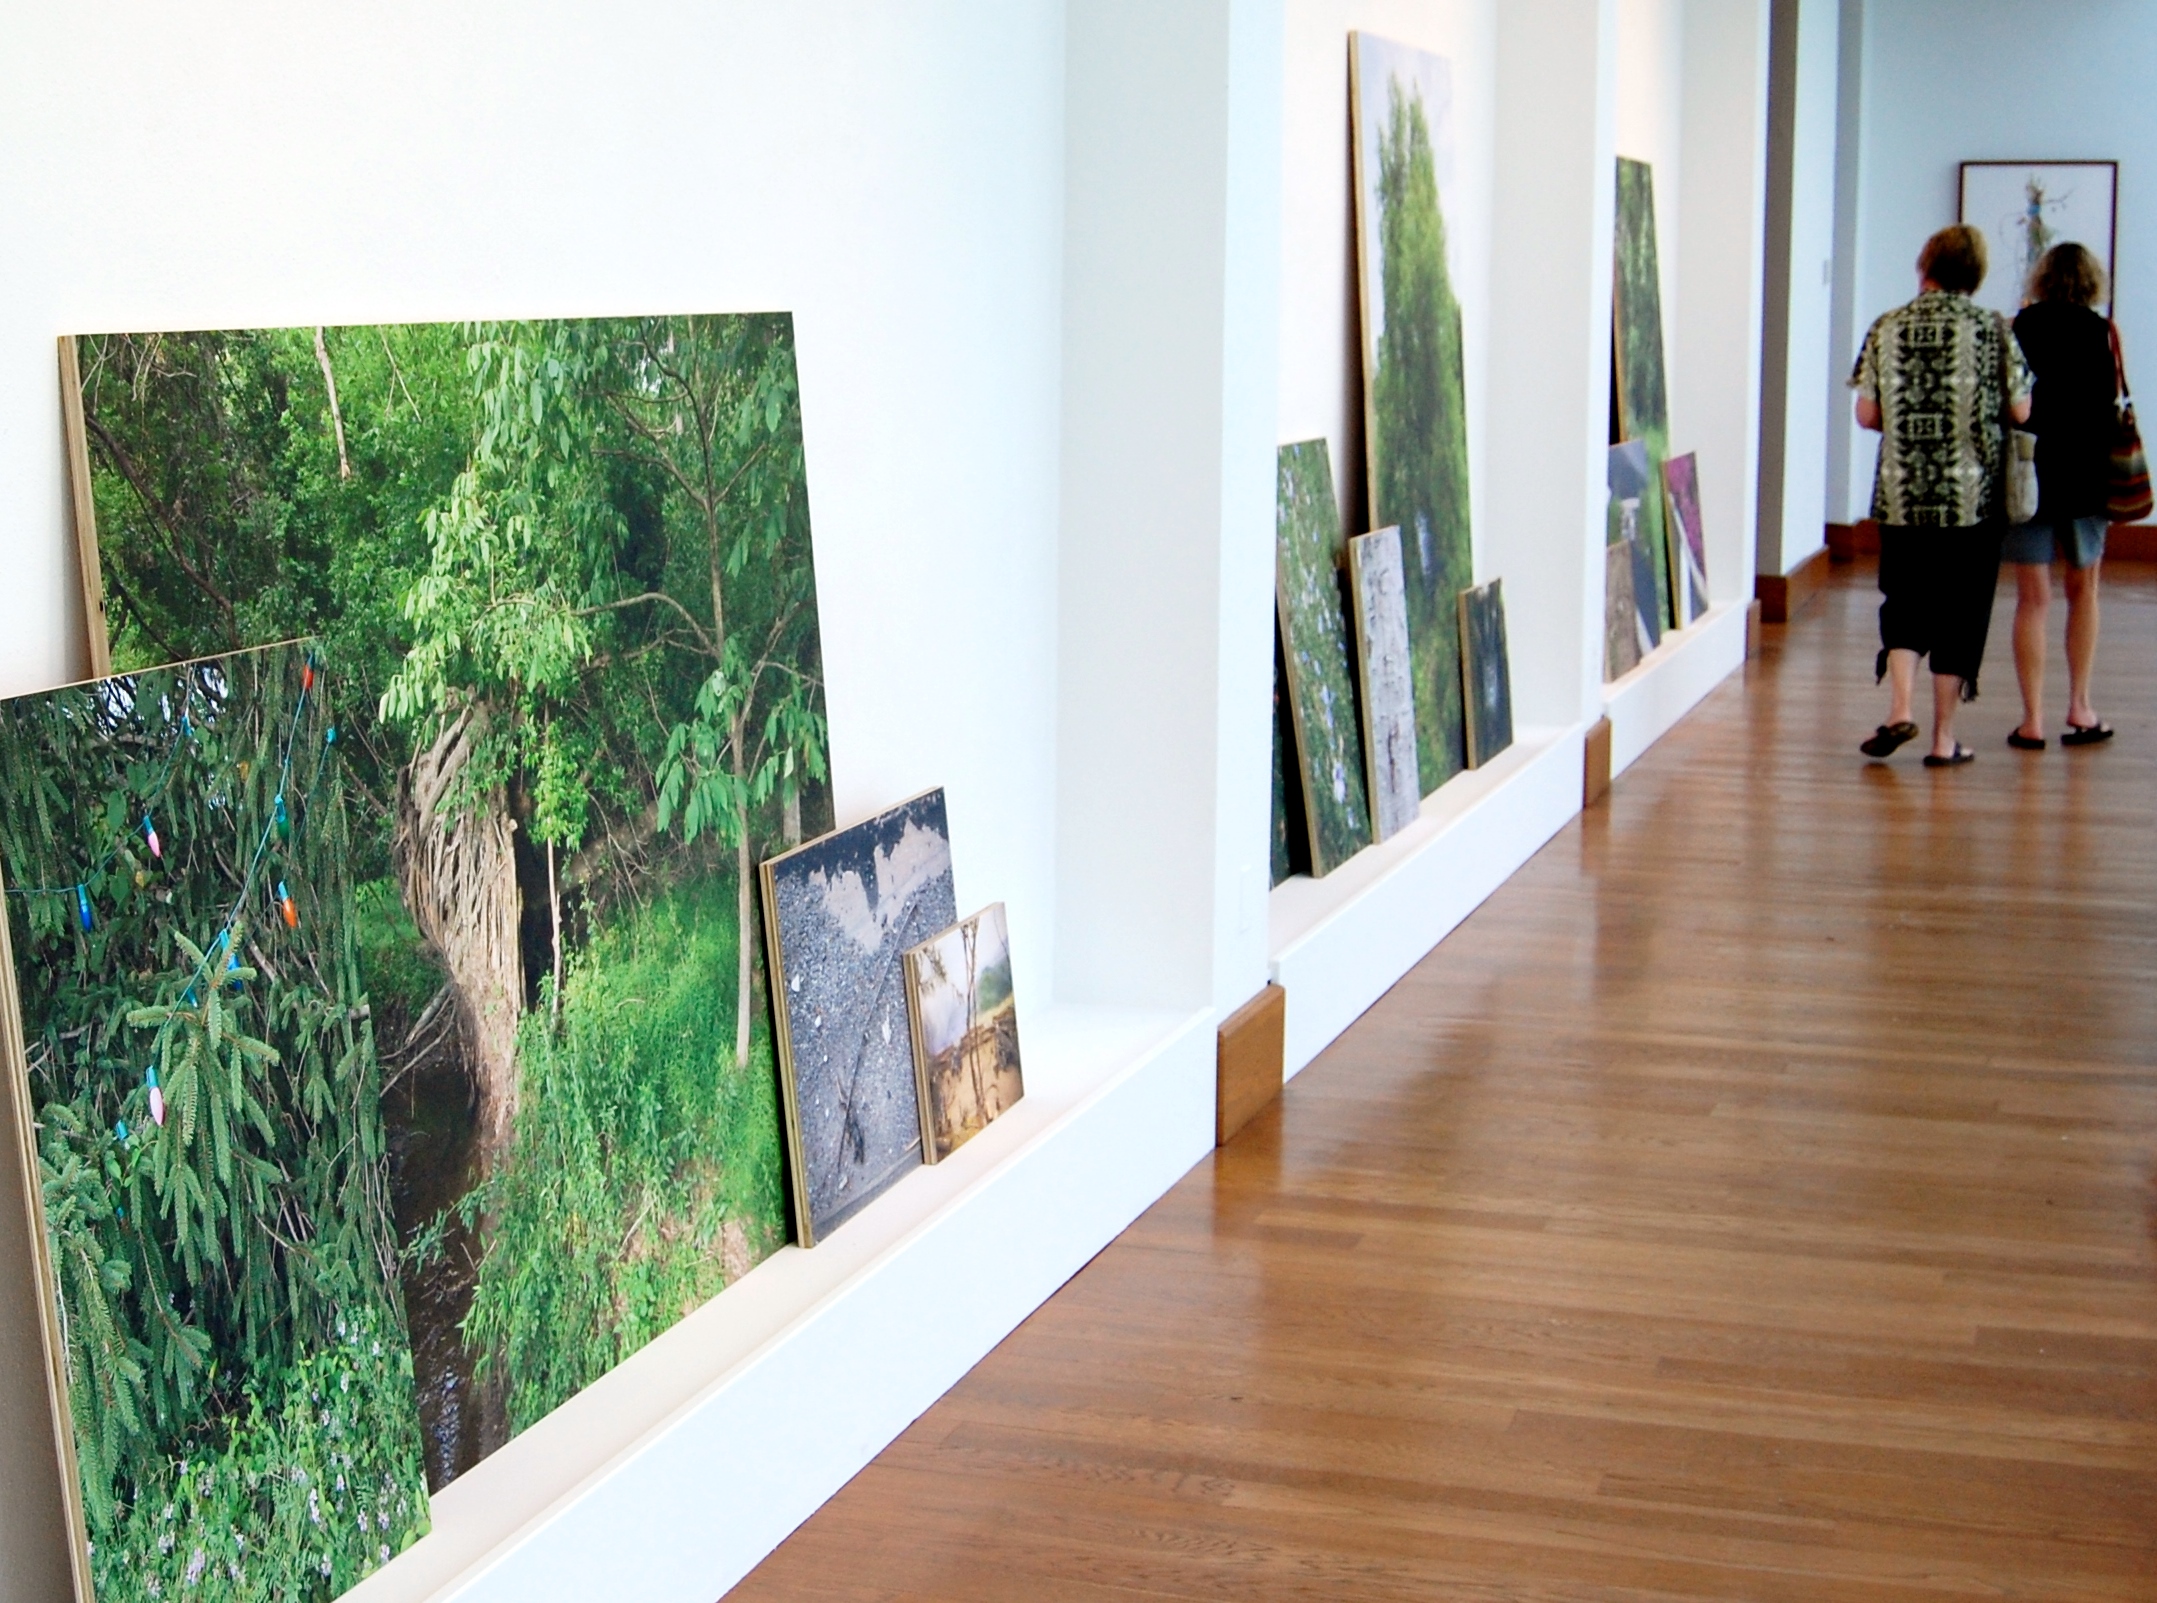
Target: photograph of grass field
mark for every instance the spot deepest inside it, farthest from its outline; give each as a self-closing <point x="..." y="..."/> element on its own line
<point x="564" y="572"/>
<point x="186" y="1025"/>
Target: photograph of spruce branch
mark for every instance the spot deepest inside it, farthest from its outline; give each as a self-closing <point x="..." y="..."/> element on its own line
<point x="564" y="571"/>
<point x="1414" y="391"/>
<point x="192" y="1031"/>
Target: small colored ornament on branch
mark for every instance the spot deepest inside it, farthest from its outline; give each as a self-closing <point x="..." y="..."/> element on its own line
<point x="284" y="819"/>
<point x="284" y="906"/>
<point x="307" y="676"/>
<point x="120" y="1131"/>
<point x="157" y="1100"/>
<point x="329" y="736"/>
<point x="82" y="908"/>
<point x="149" y="833"/>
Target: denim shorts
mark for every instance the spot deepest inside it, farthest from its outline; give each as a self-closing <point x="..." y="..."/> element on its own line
<point x="2081" y="541"/>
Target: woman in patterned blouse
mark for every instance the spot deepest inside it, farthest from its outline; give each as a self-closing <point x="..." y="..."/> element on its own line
<point x="1939" y="378"/>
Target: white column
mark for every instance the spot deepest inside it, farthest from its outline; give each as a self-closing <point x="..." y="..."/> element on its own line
<point x="1715" y="371"/>
<point x="1171" y="267"/>
<point x="1550" y="346"/>
<point x="1804" y="68"/>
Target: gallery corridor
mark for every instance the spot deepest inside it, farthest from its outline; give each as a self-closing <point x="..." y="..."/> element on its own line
<point x="1753" y="1200"/>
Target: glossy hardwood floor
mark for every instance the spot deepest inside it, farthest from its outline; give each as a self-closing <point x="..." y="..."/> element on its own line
<point x="1753" y="1200"/>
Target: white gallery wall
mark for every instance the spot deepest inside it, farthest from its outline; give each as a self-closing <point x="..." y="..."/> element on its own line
<point x="1063" y="274"/>
<point x="1948" y="81"/>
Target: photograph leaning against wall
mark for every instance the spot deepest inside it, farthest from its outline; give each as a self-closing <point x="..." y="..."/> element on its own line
<point x="564" y="571"/>
<point x="188" y="1049"/>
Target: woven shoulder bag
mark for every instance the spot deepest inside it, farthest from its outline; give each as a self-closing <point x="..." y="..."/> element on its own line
<point x="2127" y="493"/>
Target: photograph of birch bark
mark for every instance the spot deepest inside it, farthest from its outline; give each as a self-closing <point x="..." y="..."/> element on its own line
<point x="565" y="570"/>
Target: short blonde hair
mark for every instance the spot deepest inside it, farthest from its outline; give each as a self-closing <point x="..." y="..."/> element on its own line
<point x="1954" y="259"/>
<point x="2068" y="273"/>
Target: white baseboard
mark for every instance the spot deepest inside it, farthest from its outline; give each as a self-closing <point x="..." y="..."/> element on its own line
<point x="1339" y="943"/>
<point x="668" y="1479"/>
<point x="1671" y="680"/>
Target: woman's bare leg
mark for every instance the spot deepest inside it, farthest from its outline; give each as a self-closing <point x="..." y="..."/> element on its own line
<point x="1946" y="697"/>
<point x="2081" y="642"/>
<point x="2033" y="597"/>
<point x="1901" y="681"/>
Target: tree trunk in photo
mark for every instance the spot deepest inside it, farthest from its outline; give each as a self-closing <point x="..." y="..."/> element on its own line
<point x="459" y="873"/>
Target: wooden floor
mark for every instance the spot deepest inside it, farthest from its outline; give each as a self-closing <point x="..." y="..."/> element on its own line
<point x="1753" y="1200"/>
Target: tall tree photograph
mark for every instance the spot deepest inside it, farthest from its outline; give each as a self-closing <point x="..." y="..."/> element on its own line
<point x="565" y="571"/>
<point x="1642" y="389"/>
<point x="1414" y="386"/>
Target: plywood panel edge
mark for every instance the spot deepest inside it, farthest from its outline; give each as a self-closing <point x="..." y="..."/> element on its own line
<point x="82" y="504"/>
<point x="42" y="1556"/>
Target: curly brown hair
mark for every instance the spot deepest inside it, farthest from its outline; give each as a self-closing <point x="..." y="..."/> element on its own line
<point x="1954" y="259"/>
<point x="2068" y="273"/>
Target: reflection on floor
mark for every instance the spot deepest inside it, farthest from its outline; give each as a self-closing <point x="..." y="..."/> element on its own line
<point x="1753" y="1200"/>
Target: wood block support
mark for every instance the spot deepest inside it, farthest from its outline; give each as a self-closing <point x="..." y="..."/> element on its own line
<point x="1250" y="1059"/>
<point x="1783" y="595"/>
<point x="1595" y="765"/>
<point x="1752" y="628"/>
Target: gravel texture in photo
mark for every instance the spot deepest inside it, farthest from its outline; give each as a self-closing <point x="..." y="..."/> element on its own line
<point x="843" y="910"/>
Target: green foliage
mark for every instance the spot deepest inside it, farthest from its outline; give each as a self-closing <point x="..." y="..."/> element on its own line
<point x="314" y="1489"/>
<point x="226" y="519"/>
<point x="204" y="1259"/>
<point x="1421" y="438"/>
<point x="594" y="533"/>
<point x="638" y="1142"/>
<point x="1643" y="402"/>
<point x="1314" y="631"/>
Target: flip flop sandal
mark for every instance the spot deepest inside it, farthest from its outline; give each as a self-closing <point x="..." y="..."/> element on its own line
<point x="1962" y="754"/>
<point x="2086" y="734"/>
<point x="1886" y="738"/>
<point x="2021" y="742"/>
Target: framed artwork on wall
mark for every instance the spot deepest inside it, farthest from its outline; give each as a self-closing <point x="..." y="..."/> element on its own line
<point x="2024" y="208"/>
<point x="580" y="678"/>
<point x="842" y="912"/>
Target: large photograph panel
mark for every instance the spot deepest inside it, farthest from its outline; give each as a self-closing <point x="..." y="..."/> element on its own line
<point x="564" y="569"/>
<point x="189" y="1028"/>
<point x="1414" y="390"/>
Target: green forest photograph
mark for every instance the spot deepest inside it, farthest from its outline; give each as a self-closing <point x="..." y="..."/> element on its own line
<point x="563" y="570"/>
<point x="1414" y="386"/>
<point x="1313" y="609"/>
<point x="197" y="1045"/>
<point x="1642" y="394"/>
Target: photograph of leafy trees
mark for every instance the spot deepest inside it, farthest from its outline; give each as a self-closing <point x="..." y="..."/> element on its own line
<point x="196" y="1041"/>
<point x="564" y="569"/>
<point x="1643" y="409"/>
<point x="1415" y="398"/>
